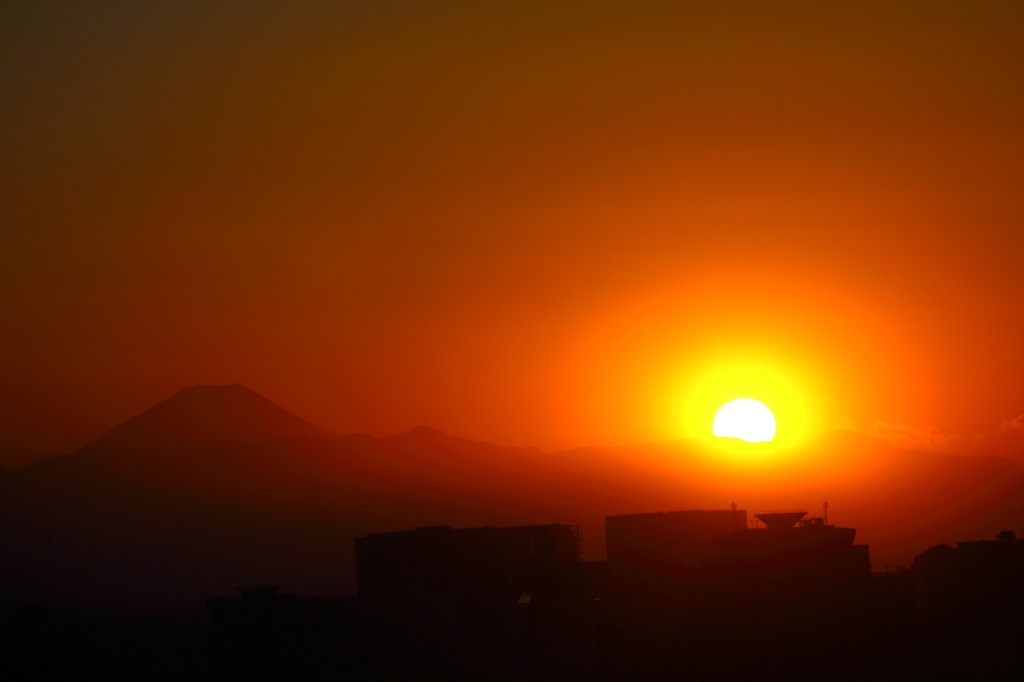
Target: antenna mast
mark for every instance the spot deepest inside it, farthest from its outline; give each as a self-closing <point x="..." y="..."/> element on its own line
<point x="825" y="508"/>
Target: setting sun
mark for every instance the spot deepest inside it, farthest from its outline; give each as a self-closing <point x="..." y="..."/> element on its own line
<point x="746" y="419"/>
<point x="781" y="383"/>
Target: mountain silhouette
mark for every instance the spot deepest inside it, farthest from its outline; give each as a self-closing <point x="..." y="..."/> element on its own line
<point x="1007" y="443"/>
<point x="202" y="414"/>
<point x="218" y="487"/>
<point x="32" y="428"/>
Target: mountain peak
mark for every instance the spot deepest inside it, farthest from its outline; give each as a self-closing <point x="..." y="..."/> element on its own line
<point x="424" y="430"/>
<point x="200" y="389"/>
<point x="197" y="414"/>
<point x="423" y="433"/>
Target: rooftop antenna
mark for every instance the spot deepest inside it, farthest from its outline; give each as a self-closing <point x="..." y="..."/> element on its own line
<point x="825" y="508"/>
<point x="733" y="505"/>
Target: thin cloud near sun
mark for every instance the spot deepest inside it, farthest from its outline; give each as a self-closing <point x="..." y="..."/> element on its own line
<point x="925" y="438"/>
<point x="1015" y="424"/>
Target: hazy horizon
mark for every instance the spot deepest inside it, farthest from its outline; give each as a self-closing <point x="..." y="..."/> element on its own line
<point x="516" y="222"/>
<point x="561" y="236"/>
<point x="900" y="436"/>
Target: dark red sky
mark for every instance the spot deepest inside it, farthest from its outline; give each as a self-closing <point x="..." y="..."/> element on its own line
<point x="514" y="222"/>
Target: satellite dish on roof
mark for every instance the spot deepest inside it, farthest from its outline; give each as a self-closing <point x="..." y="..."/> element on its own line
<point x="777" y="520"/>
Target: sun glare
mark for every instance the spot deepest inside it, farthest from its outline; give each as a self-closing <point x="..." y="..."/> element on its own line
<point x="746" y="419"/>
<point x="709" y="406"/>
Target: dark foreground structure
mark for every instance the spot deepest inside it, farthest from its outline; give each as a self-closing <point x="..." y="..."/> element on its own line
<point x="265" y="635"/>
<point x="478" y="603"/>
<point x="969" y="604"/>
<point x="695" y="594"/>
<point x="689" y="594"/>
<point x="780" y="602"/>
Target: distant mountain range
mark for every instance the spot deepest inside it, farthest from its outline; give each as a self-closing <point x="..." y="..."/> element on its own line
<point x="217" y="487"/>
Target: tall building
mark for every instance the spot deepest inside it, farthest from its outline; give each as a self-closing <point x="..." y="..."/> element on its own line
<point x="497" y="564"/>
<point x="478" y="603"/>
<point x="790" y="547"/>
<point x="676" y="542"/>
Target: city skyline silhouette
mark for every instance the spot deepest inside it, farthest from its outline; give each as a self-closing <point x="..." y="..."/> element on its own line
<point x="635" y="280"/>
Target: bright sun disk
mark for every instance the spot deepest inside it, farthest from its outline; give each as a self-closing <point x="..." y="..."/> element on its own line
<point x="746" y="419"/>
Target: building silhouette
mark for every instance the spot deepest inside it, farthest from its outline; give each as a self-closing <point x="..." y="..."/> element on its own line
<point x="494" y="564"/>
<point x="699" y="593"/>
<point x="478" y="603"/>
<point x="678" y="594"/>
<point x="790" y="548"/>
<point x="684" y="594"/>
<point x="674" y="544"/>
<point x="970" y="602"/>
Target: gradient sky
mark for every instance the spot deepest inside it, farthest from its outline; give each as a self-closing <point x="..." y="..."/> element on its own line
<point x="527" y="223"/>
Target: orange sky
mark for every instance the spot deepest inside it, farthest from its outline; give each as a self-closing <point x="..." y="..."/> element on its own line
<point x="515" y="223"/>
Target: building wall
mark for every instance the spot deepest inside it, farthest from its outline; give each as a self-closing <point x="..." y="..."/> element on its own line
<point x="663" y="540"/>
<point x="443" y="559"/>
